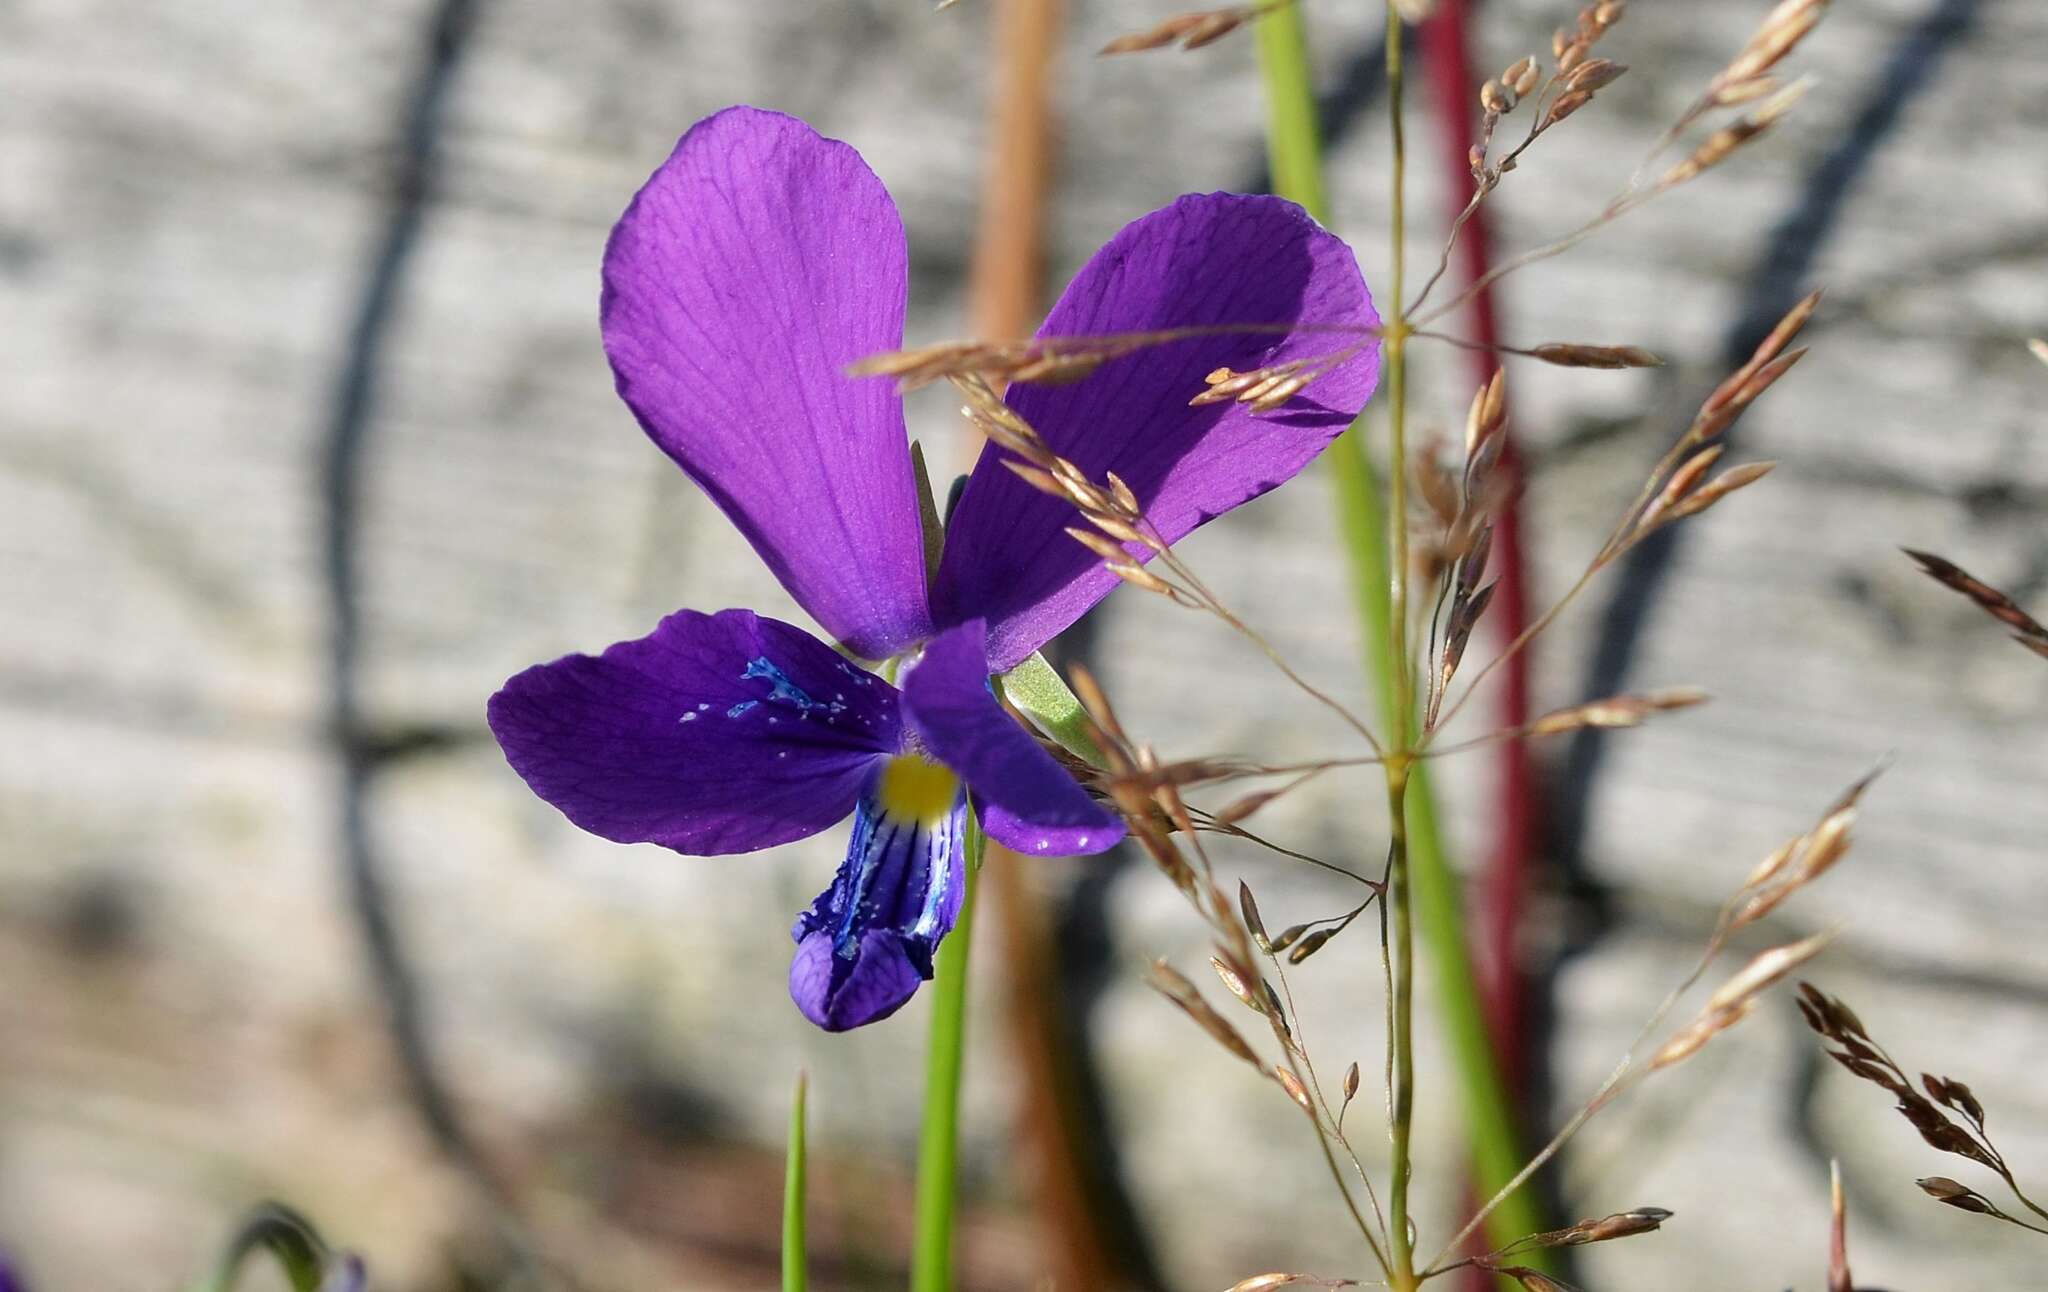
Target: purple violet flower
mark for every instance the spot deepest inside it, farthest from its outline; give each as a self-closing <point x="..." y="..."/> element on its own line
<point x="757" y="263"/>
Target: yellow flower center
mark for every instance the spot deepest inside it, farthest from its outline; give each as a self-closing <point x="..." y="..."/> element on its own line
<point x="917" y="789"/>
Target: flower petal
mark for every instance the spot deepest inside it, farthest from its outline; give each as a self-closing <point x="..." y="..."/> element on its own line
<point x="867" y="941"/>
<point x="757" y="263"/>
<point x="713" y="734"/>
<point x="1029" y="802"/>
<point x="1204" y="261"/>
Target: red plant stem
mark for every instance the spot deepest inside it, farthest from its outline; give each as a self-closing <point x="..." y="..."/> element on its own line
<point x="1446" y="52"/>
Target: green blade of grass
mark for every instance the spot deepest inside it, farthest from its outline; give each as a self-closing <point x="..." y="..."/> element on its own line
<point x="794" y="1263"/>
<point x="938" y="1154"/>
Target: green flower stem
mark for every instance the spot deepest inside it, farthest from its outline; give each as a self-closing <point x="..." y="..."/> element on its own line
<point x="938" y="1150"/>
<point x="794" y="1266"/>
<point x="1363" y="520"/>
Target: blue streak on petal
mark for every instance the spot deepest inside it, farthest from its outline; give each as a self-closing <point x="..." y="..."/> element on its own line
<point x="783" y="692"/>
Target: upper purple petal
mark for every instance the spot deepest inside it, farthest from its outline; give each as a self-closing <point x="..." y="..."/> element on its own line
<point x="1029" y="803"/>
<point x="758" y="262"/>
<point x="1204" y="261"/>
<point x="713" y="734"/>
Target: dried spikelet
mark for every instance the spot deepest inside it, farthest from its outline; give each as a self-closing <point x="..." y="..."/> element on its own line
<point x="1240" y="808"/>
<point x="1563" y="106"/>
<point x="1799" y="861"/>
<point x="1955" y="1193"/>
<point x="1170" y="983"/>
<point x="1567" y="355"/>
<point x="1351" y="1083"/>
<point x="1037" y="477"/>
<point x="1191" y="30"/>
<point x="1121" y="493"/>
<point x="1047" y="361"/>
<point x="1248" y="911"/>
<point x="1288" y="936"/>
<point x="1267" y="1282"/>
<point x="1234" y="983"/>
<point x="1624" y="1224"/>
<point x="2027" y="630"/>
<point x="1851" y="1046"/>
<point x="1683" y="481"/>
<point x="1267" y="388"/>
<point x="1720" y="487"/>
<point x="1770" y="866"/>
<point x="1522" y="77"/>
<point x="1616" y="711"/>
<point x="1689" y="1041"/>
<point x="1295" y="1090"/>
<point x="1089" y="692"/>
<point x="1487" y="414"/>
<point x="1593" y="75"/>
<point x="1311" y="944"/>
<point x="1434" y="485"/>
<point x="1534" y="1280"/>
<point x="1106" y="548"/>
<point x="1768" y="968"/>
<point x="1140" y="577"/>
<point x="1737" y="93"/>
<point x="1718" y="146"/>
<point x="1496" y="98"/>
<point x="1781" y="30"/>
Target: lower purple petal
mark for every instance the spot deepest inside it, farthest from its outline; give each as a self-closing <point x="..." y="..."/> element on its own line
<point x="713" y="734"/>
<point x="1030" y="803"/>
<point x="868" y="940"/>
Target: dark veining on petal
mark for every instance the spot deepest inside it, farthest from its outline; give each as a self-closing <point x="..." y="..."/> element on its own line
<point x="896" y="895"/>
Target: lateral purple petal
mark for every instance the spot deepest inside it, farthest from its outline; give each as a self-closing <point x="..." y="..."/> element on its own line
<point x="757" y="263"/>
<point x="713" y="734"/>
<point x="1205" y="261"/>
<point x="1029" y="803"/>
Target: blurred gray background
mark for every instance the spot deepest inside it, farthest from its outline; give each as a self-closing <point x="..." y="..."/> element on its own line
<point x="198" y="199"/>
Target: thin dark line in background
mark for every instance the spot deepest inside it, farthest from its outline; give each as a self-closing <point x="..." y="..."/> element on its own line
<point x="446" y="31"/>
<point x="1777" y="282"/>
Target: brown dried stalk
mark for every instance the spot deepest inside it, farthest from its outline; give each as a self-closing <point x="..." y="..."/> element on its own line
<point x="1839" y="1278"/>
<point x="2027" y="630"/>
<point x="1267" y="1282"/>
<point x="1943" y="1110"/>
<point x="1677" y="486"/>
<point x="1056" y="360"/>
<point x="1624" y="1224"/>
<point x="1126" y="540"/>
<point x="1190" y="30"/>
<point x="1572" y="84"/>
<point x="1728" y="1005"/>
<point x="1744" y="80"/>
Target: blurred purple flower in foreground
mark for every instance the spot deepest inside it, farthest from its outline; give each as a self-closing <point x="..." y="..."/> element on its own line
<point x="756" y="264"/>
<point x="8" y="1281"/>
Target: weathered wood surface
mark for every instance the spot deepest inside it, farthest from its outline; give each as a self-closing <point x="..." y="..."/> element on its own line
<point x="187" y="194"/>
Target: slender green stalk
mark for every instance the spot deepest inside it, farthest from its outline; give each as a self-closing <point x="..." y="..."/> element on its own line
<point x="794" y="1262"/>
<point x="1401" y="671"/>
<point x="1294" y="148"/>
<point x="938" y="1150"/>
<point x="1366" y="522"/>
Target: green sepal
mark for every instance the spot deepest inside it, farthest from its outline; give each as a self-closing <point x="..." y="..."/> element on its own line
<point x="1042" y="695"/>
